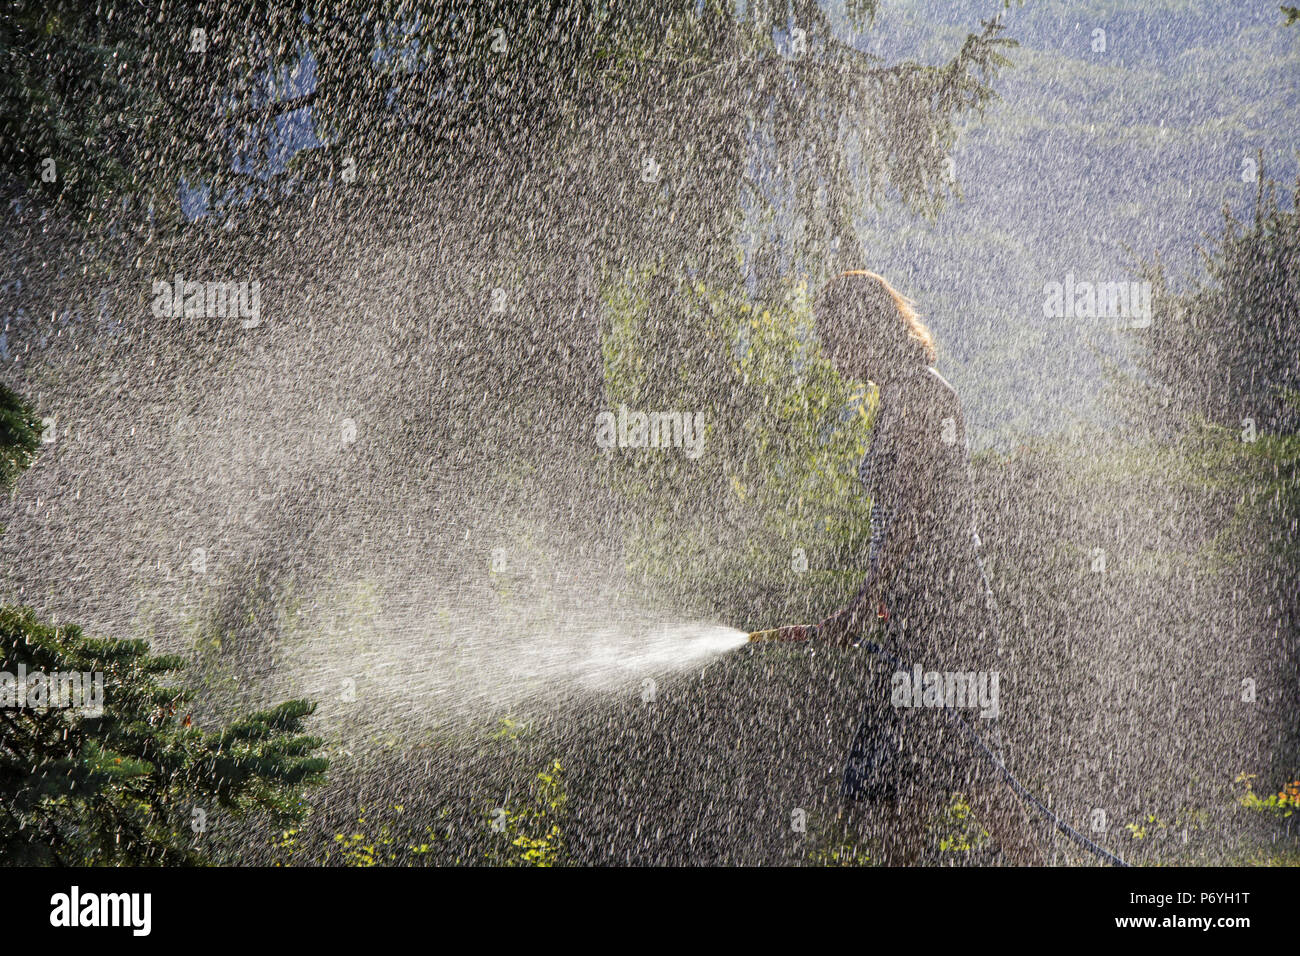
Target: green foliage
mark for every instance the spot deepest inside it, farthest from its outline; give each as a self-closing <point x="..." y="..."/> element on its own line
<point x="1220" y="378"/>
<point x="20" y="436"/>
<point x="783" y="435"/>
<point x="60" y="95"/>
<point x="387" y="841"/>
<point x="842" y="851"/>
<point x="509" y="729"/>
<point x="952" y="829"/>
<point x="1281" y="804"/>
<point x="136" y="783"/>
<point x="1223" y="348"/>
<point x="1267" y="471"/>
<point x="958" y="831"/>
<point x="535" y="830"/>
<point x="138" y="103"/>
<point x="357" y="849"/>
<point x="1155" y="828"/>
<point x="1220" y="391"/>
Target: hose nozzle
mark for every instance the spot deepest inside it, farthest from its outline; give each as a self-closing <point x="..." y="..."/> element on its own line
<point x="793" y="632"/>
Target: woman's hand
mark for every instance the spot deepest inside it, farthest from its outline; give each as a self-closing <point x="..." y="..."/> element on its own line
<point x="791" y="632"/>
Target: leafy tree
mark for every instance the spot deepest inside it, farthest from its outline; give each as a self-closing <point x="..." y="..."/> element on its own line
<point x="128" y="102"/>
<point x="769" y="510"/>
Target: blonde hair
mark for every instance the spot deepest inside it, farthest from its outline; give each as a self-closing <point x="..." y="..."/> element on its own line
<point x="847" y="307"/>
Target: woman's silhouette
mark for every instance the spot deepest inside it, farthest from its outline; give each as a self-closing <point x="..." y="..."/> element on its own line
<point x="925" y="598"/>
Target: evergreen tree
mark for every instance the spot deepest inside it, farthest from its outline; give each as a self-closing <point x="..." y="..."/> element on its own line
<point x="20" y="436"/>
<point x="127" y="778"/>
<point x="1224" y="349"/>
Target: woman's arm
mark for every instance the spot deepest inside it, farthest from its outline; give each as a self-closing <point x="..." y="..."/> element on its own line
<point x="843" y="627"/>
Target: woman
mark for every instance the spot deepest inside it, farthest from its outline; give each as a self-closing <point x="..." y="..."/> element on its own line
<point x="926" y="599"/>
